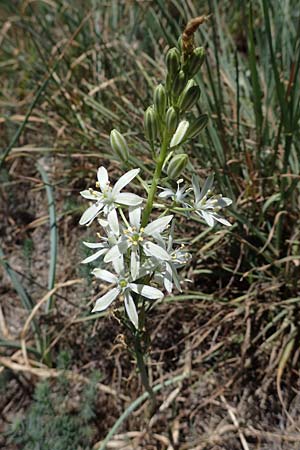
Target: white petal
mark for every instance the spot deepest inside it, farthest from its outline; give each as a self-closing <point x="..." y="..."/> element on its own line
<point x="94" y="256"/>
<point x="158" y="225"/>
<point x="179" y="133"/>
<point x="113" y="221"/>
<point x="168" y="283"/>
<point x="118" y="265"/>
<point x="146" y="291"/>
<point x="208" y="218"/>
<point x="175" y="276"/>
<point x="103" y="302"/>
<point x="224" y="201"/>
<point x="166" y="193"/>
<point x="93" y="244"/>
<point x="105" y="275"/>
<point x="222" y="220"/>
<point x="155" y="250"/>
<point x="135" y="217"/>
<point x="90" y="195"/>
<point x="196" y="187"/>
<point x="207" y="185"/>
<point x="89" y="214"/>
<point x="131" y="310"/>
<point x="124" y="180"/>
<point x="128" y="199"/>
<point x="113" y="253"/>
<point x="102" y="176"/>
<point x="134" y="263"/>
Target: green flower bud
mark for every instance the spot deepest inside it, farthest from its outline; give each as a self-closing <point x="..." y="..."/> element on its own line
<point x="160" y="100"/>
<point x="179" y="133"/>
<point x="197" y="126"/>
<point x="150" y="124"/>
<point x="173" y="62"/>
<point x="195" y="61"/>
<point x="189" y="98"/>
<point x="176" y="166"/>
<point x="179" y="84"/>
<point x="171" y="120"/>
<point x="119" y="145"/>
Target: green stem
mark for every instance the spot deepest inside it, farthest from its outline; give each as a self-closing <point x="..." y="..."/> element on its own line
<point x="143" y="370"/>
<point x="155" y="180"/>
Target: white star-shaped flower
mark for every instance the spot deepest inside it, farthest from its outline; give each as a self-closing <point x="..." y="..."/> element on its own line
<point x="138" y="238"/>
<point x="123" y="285"/>
<point x="109" y="197"/>
<point x="207" y="205"/>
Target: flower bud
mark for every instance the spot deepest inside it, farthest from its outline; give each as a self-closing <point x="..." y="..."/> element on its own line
<point x="119" y="145"/>
<point x="176" y="166"/>
<point x="179" y="83"/>
<point x="179" y="133"/>
<point x="171" y="120"/>
<point x="150" y="124"/>
<point x="195" y="61"/>
<point x="173" y="62"/>
<point x="189" y="98"/>
<point x="160" y="100"/>
<point x="197" y="126"/>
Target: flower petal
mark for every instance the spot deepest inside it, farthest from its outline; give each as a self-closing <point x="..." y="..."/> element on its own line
<point x="93" y="244"/>
<point x="103" y="302"/>
<point x="128" y="199"/>
<point x="89" y="214"/>
<point x="157" y="251"/>
<point x="146" y="291"/>
<point x="166" y="193"/>
<point x="124" y="180"/>
<point x="115" y="252"/>
<point x="221" y="220"/>
<point x="168" y="283"/>
<point x="94" y="256"/>
<point x="207" y="186"/>
<point x="131" y="310"/>
<point x="208" y="218"/>
<point x="118" y="265"/>
<point x="90" y="194"/>
<point x="113" y="221"/>
<point x="175" y="276"/>
<point x="105" y="275"/>
<point x="102" y="176"/>
<point x="196" y="187"/>
<point x="135" y="217"/>
<point x="224" y="201"/>
<point x="134" y="263"/>
<point x="158" y="225"/>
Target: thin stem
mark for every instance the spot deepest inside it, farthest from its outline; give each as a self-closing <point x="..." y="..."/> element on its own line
<point x="143" y="370"/>
<point x="155" y="180"/>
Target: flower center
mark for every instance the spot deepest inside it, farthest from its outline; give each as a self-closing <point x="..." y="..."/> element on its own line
<point x="123" y="283"/>
<point x="134" y="236"/>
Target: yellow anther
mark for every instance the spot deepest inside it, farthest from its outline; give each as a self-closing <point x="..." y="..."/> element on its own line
<point x="133" y="229"/>
<point x="97" y="184"/>
<point x="140" y="238"/>
<point x="142" y="230"/>
<point x="134" y="243"/>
